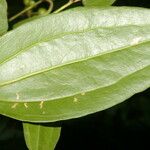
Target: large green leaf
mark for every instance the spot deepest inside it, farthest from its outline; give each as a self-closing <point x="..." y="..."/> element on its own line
<point x="3" y="17"/>
<point x="98" y="2"/>
<point x="74" y="63"/>
<point x="41" y="137"/>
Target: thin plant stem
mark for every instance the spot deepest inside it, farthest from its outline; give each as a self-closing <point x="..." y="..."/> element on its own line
<point x="25" y="10"/>
<point x="51" y="5"/>
<point x="70" y="2"/>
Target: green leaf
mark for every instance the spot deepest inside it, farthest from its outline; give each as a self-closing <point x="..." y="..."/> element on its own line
<point x="26" y="21"/>
<point x="41" y="137"/>
<point x="3" y="17"/>
<point x="74" y="63"/>
<point x="98" y="2"/>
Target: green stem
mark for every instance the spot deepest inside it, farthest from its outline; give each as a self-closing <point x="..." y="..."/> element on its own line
<point x="51" y="5"/>
<point x="25" y="10"/>
<point x="70" y="2"/>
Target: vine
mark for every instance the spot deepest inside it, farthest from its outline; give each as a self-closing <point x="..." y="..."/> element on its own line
<point x="30" y="4"/>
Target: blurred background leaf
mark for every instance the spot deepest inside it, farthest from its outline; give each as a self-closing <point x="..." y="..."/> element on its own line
<point x="98" y="2"/>
<point x="3" y="17"/>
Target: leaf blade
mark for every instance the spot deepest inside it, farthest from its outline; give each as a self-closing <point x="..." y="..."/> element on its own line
<point x="3" y="17"/>
<point x="77" y="70"/>
<point x="41" y="137"/>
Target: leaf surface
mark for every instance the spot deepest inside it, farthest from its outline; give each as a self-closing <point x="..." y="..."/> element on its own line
<point x="98" y="2"/>
<point x="74" y="63"/>
<point x="3" y="17"/>
<point x="41" y="137"/>
<point x="26" y="21"/>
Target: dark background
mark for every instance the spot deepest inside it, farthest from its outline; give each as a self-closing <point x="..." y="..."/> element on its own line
<point x="123" y="127"/>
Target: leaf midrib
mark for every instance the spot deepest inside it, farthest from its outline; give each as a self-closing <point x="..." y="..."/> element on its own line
<point x="38" y="137"/>
<point x="88" y="91"/>
<point x="73" y="62"/>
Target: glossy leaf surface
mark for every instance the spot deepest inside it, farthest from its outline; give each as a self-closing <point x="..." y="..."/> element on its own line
<point x="41" y="137"/>
<point x="74" y="63"/>
<point x="3" y="17"/>
<point x="98" y="2"/>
